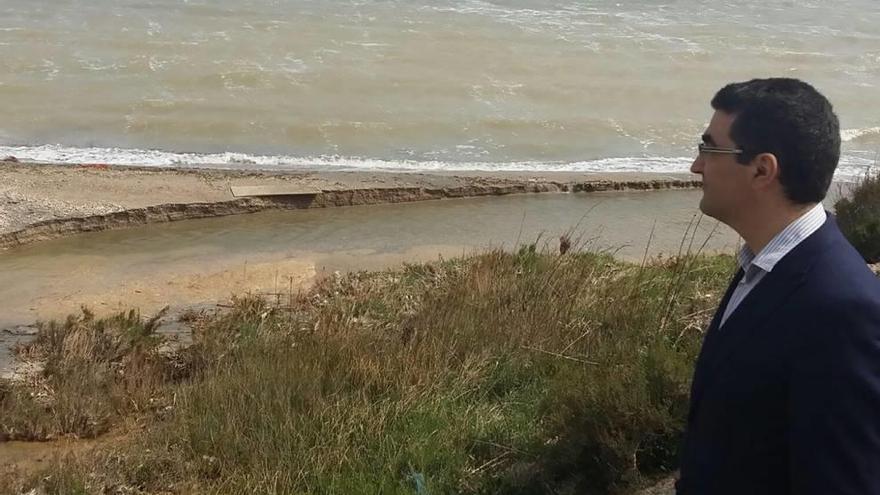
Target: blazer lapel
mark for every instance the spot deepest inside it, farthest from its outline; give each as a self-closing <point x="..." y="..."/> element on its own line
<point x="710" y="339"/>
<point x="716" y="320"/>
<point x="769" y="295"/>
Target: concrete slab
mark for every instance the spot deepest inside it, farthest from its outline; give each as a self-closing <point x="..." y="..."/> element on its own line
<point x="273" y="190"/>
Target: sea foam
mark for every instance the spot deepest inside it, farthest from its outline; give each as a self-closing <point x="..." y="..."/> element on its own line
<point x="851" y="166"/>
<point x="848" y="135"/>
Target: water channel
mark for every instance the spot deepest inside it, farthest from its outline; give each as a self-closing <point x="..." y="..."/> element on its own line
<point x="65" y="273"/>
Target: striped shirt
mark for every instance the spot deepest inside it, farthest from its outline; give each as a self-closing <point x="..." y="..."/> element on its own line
<point x="755" y="267"/>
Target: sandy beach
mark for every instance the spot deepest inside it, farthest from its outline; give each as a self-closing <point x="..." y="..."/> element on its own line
<point x="44" y="201"/>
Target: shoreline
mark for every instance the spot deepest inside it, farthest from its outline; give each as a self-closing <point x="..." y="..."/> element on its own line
<point x="42" y="201"/>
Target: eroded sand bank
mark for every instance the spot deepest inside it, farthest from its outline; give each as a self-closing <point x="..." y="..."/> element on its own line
<point x="45" y="201"/>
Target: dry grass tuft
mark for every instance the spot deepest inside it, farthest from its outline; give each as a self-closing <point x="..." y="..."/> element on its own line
<point x="94" y="370"/>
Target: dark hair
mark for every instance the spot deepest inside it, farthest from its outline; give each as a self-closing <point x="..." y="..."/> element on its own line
<point x="791" y="120"/>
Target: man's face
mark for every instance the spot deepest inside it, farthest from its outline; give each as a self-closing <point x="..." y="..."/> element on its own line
<point x="725" y="181"/>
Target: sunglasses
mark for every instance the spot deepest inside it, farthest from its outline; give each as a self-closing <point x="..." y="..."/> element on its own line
<point x="705" y="148"/>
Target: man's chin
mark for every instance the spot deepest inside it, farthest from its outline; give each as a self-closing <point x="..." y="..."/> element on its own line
<point x="705" y="209"/>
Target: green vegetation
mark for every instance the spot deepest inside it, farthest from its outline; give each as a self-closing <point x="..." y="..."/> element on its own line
<point x="859" y="216"/>
<point x="95" y="372"/>
<point x="496" y="373"/>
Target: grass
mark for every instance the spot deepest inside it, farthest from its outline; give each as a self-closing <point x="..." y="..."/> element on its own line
<point x="502" y="372"/>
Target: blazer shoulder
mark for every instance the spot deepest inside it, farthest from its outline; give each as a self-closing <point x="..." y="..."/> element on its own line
<point x="841" y="271"/>
<point x="827" y="258"/>
<point x="838" y="289"/>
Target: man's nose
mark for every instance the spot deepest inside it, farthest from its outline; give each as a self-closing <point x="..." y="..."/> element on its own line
<point x="697" y="166"/>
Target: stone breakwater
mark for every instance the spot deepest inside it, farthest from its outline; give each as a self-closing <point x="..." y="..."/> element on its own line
<point x="170" y="212"/>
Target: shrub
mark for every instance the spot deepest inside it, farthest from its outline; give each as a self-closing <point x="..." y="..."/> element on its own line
<point x="859" y="216"/>
<point x="93" y="370"/>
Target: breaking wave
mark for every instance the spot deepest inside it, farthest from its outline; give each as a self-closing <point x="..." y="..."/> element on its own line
<point x="850" y="165"/>
<point x="848" y="135"/>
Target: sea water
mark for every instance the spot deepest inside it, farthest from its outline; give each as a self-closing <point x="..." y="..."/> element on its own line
<point x="415" y="84"/>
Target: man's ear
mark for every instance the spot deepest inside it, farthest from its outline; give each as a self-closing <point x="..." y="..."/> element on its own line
<point x="765" y="170"/>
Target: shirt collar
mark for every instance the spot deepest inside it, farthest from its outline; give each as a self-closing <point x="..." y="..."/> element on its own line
<point x="782" y="243"/>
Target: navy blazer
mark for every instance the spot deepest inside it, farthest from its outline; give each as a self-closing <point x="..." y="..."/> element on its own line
<point x="786" y="395"/>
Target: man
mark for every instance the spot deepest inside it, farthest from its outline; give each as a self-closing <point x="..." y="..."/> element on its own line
<point x="786" y="391"/>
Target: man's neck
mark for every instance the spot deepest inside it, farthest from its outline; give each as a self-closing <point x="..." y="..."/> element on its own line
<point x="758" y="231"/>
